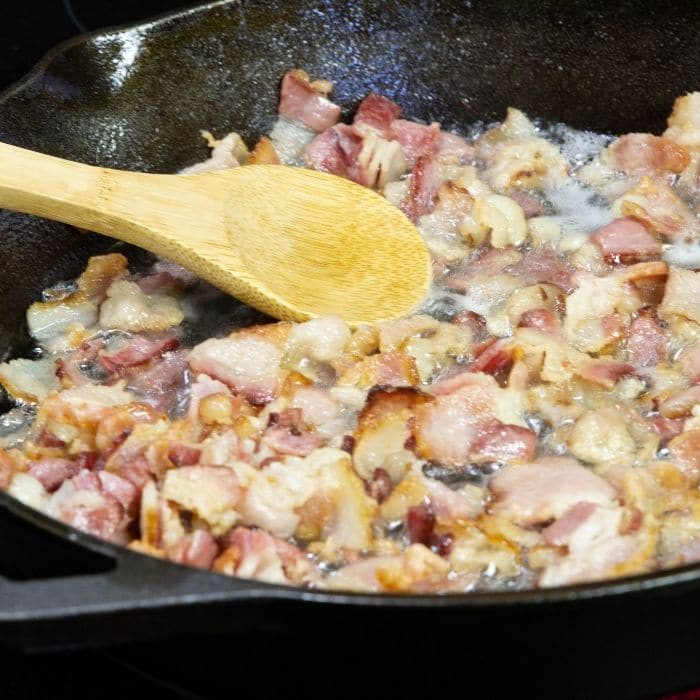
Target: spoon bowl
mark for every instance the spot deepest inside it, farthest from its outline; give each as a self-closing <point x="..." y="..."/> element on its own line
<point x="291" y="242"/>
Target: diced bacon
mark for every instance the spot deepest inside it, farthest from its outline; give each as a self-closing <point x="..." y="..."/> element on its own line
<point x="182" y="455"/>
<point x="324" y="153"/>
<point x="81" y="503"/>
<point x="647" y="343"/>
<point x="626" y="241"/>
<point x="121" y="489"/>
<point x="667" y="428"/>
<point x="141" y="349"/>
<point x="680" y="404"/>
<point x="258" y="555"/>
<point x="418" y="140"/>
<point x="685" y="453"/>
<point x="689" y="362"/>
<point x="420" y="521"/>
<point x="212" y="493"/>
<point x="453" y="148"/>
<point x="422" y="189"/>
<point x="161" y="384"/>
<point x="197" y="549"/>
<point x="204" y="386"/>
<point x="606" y="373"/>
<point x="540" y="491"/>
<point x="496" y="356"/>
<point x="246" y="363"/>
<point x="644" y="154"/>
<point x="299" y="101"/>
<point x="530" y="204"/>
<point x="7" y="469"/>
<point x="559" y="532"/>
<point x="52" y="472"/>
<point x="317" y="407"/>
<point x="543" y="265"/>
<point x="264" y="153"/>
<point x="542" y="320"/>
<point x="378" y="113"/>
<point x="506" y="443"/>
<point x="474" y="322"/>
<point x="291" y="441"/>
<point x="127" y="308"/>
<point x="681" y="295"/>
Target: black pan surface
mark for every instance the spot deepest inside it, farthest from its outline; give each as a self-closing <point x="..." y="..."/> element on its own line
<point x="136" y="98"/>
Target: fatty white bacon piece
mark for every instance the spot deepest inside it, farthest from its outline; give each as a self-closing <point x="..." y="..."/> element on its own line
<point x="300" y="101"/>
<point x="29" y="380"/>
<point x="595" y="547"/>
<point x="383" y="432"/>
<point x="49" y="319"/>
<point x="320" y="410"/>
<point x="681" y="296"/>
<point x="211" y="493"/>
<point x="317" y="497"/>
<point x="534" y="493"/>
<point x="228" y="152"/>
<point x="684" y="122"/>
<point x="197" y="549"/>
<point x="203" y="387"/>
<point x="247" y="362"/>
<point x="602" y="435"/>
<point x="321" y="339"/>
<point x="127" y="308"/>
<point x="416" y="569"/>
<point x="139" y="350"/>
<point x="600" y="310"/>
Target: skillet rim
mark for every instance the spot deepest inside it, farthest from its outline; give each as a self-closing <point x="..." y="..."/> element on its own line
<point x="672" y="579"/>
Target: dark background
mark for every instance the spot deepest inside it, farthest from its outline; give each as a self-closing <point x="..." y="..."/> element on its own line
<point x="27" y="30"/>
<point x="30" y="27"/>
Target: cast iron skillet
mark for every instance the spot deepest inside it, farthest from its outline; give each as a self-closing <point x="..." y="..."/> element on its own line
<point x="135" y="98"/>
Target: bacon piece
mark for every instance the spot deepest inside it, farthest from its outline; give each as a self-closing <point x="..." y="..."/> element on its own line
<point x="644" y="154"/>
<point x="667" y="428"/>
<point x="626" y="241"/>
<point x="379" y="488"/>
<point x="212" y="493"/>
<point x="689" y="362"/>
<point x="534" y="493"/>
<point x="420" y="522"/>
<point x="264" y="153"/>
<point x="299" y="101"/>
<point x="530" y="205"/>
<point x="647" y="343"/>
<point x="496" y="356"/>
<point x="7" y="470"/>
<point x="290" y="441"/>
<point x="685" y="452"/>
<point x="542" y="320"/>
<point x="52" y="472"/>
<point x="422" y="190"/>
<point x="161" y="384"/>
<point x="487" y="263"/>
<point x="246" y="363"/>
<point x="81" y="503"/>
<point x="559" y="532"/>
<point x="121" y="489"/>
<point x="453" y="148"/>
<point x="258" y="555"/>
<point x="680" y="404"/>
<point x="197" y="549"/>
<point x="506" y="443"/>
<point x="606" y="373"/>
<point x="387" y="369"/>
<point x="418" y="140"/>
<point x="543" y="265"/>
<point x="141" y="349"/>
<point x="378" y="113"/>
<point x="325" y="154"/>
<point x="182" y="455"/>
<point x="681" y="295"/>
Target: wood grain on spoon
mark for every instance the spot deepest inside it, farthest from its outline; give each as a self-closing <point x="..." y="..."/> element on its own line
<point x="291" y="242"/>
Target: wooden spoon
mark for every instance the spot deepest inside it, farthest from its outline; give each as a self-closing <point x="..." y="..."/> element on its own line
<point x="291" y="242"/>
